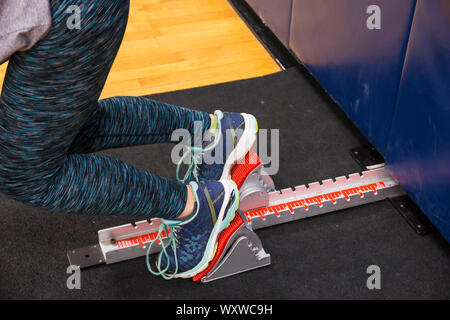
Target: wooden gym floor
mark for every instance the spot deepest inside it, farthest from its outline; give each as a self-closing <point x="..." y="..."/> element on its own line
<point x="179" y="44"/>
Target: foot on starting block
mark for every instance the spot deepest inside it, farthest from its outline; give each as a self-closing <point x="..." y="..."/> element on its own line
<point x="242" y="252"/>
<point x="239" y="249"/>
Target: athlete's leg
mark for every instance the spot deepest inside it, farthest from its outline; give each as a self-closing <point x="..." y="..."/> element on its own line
<point x="49" y="94"/>
<point x="131" y="121"/>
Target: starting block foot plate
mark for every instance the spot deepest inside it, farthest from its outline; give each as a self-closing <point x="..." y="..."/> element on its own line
<point x="243" y="252"/>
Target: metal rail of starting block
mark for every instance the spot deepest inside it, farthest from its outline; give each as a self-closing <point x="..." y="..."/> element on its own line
<point x="261" y="206"/>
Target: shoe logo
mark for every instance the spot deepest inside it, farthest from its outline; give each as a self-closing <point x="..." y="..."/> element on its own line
<point x="211" y="203"/>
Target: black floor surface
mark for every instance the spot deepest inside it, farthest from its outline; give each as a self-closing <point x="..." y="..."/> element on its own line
<point x="324" y="257"/>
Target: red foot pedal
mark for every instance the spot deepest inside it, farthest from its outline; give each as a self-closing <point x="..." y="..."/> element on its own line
<point x="239" y="173"/>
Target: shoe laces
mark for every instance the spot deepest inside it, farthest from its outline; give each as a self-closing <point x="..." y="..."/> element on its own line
<point x="170" y="231"/>
<point x="196" y="155"/>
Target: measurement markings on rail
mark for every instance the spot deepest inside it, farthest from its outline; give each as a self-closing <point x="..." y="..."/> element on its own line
<point x="317" y="200"/>
<point x="142" y="240"/>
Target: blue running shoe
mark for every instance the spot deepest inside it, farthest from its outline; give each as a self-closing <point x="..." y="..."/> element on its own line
<point x="192" y="242"/>
<point x="228" y="141"/>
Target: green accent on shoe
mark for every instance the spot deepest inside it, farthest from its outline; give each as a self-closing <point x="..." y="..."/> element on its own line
<point x="228" y="217"/>
<point x="214" y="124"/>
<point x="218" y="197"/>
<point x="242" y="124"/>
<point x="211" y="206"/>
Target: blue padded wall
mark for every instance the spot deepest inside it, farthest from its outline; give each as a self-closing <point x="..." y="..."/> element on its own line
<point x="418" y="150"/>
<point x="360" y="68"/>
<point x="276" y="14"/>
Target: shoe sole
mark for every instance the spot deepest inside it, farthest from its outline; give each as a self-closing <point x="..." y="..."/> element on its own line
<point x="223" y="221"/>
<point x="244" y="145"/>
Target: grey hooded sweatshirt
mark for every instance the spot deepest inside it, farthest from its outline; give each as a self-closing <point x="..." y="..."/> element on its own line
<point x="22" y="24"/>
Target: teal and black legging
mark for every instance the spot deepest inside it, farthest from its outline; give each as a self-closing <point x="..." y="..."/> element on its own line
<point x="51" y="120"/>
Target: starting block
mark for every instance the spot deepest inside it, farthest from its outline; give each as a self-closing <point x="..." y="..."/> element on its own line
<point x="239" y="248"/>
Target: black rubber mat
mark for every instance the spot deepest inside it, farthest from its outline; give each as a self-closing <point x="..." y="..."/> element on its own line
<point x="324" y="257"/>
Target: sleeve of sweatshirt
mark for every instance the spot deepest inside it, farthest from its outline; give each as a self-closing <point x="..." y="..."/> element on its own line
<point x="22" y="24"/>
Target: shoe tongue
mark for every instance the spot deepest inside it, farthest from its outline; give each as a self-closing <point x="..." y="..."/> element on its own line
<point x="203" y="140"/>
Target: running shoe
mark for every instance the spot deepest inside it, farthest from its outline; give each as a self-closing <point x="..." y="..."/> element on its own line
<point x="192" y="242"/>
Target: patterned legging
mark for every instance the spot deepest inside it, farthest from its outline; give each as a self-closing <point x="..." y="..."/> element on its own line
<point x="51" y="119"/>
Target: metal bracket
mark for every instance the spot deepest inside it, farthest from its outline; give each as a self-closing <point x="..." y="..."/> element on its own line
<point x="86" y="257"/>
<point x="243" y="252"/>
<point x="254" y="192"/>
<point x="368" y="157"/>
<point x="412" y="214"/>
